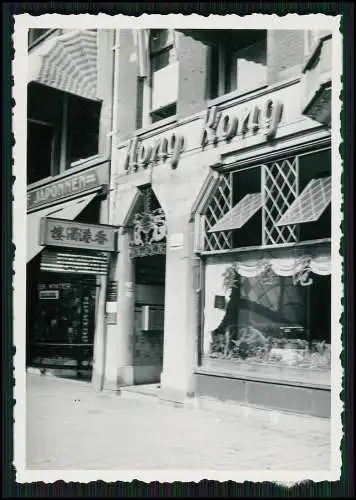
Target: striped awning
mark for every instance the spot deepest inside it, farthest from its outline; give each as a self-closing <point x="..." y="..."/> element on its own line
<point x="310" y="204"/>
<point x="67" y="62"/>
<point x="239" y="214"/>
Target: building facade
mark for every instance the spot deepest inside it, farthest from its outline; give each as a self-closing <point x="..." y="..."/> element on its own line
<point x="69" y="244"/>
<point x="219" y="149"/>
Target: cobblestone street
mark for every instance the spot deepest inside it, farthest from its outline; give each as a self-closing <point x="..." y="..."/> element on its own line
<point x="69" y="426"/>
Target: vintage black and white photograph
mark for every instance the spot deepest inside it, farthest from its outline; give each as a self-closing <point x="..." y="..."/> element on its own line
<point x="177" y="210"/>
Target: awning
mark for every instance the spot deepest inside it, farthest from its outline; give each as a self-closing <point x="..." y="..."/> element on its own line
<point x="67" y="62"/>
<point x="310" y="204"/>
<point x="239" y="214"/>
<point x="67" y="211"/>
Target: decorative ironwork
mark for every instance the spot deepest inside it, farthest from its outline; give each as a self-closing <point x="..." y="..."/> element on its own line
<point x="220" y="204"/>
<point x="149" y="230"/>
<point x="302" y="271"/>
<point x="280" y="187"/>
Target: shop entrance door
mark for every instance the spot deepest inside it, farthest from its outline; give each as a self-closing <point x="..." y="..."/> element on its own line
<point x="149" y="318"/>
<point x="63" y="320"/>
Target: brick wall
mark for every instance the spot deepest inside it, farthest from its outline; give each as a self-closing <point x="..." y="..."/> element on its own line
<point x="285" y="54"/>
<point x="193" y="67"/>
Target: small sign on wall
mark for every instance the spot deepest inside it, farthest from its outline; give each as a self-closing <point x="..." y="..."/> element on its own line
<point x="176" y="241"/>
<point x="111" y="291"/>
<point x="111" y="318"/>
<point x="219" y="302"/>
<point x="49" y="294"/>
<point x="111" y="307"/>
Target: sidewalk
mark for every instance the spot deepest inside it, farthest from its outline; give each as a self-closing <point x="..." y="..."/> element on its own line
<point x="69" y="426"/>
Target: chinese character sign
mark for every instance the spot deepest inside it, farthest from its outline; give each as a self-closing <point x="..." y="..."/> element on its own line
<point x="63" y="233"/>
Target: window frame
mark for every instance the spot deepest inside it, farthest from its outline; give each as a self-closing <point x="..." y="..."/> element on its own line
<point x="54" y="143"/>
<point x="200" y="219"/>
<point x="224" y="57"/>
<point x="60" y="152"/>
<point x="145" y="115"/>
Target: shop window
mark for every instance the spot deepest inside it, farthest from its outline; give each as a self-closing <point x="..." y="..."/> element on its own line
<point x="266" y="322"/>
<point x="62" y="129"/>
<point x="237" y="60"/>
<point x="62" y="318"/>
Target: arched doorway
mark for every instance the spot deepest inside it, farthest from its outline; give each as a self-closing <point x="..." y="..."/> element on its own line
<point x="148" y="254"/>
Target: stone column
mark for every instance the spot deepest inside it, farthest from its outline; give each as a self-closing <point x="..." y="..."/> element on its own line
<point x="180" y="325"/>
<point x="118" y="365"/>
<point x="100" y="320"/>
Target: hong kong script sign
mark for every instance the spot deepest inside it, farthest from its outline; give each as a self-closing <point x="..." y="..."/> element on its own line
<point x="71" y="234"/>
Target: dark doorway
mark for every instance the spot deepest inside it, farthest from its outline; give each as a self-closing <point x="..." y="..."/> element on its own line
<point x="149" y="318"/>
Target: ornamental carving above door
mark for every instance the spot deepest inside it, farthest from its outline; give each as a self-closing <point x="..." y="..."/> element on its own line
<point x="149" y="229"/>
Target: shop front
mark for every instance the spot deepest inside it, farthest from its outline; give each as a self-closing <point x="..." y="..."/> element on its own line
<point x="245" y="189"/>
<point x="265" y="243"/>
<point x="68" y="249"/>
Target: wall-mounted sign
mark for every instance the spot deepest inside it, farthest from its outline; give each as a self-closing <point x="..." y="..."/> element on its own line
<point x="141" y="155"/>
<point x="111" y="291"/>
<point x="75" y="262"/>
<point x="72" y="234"/>
<point x="152" y="318"/>
<point x="176" y="241"/>
<point x="219" y="302"/>
<point x="48" y="294"/>
<point x="225" y="125"/>
<point x="74" y="184"/>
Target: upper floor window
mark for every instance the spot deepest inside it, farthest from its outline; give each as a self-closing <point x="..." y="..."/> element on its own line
<point x="62" y="129"/>
<point x="164" y="74"/>
<point x="237" y="60"/>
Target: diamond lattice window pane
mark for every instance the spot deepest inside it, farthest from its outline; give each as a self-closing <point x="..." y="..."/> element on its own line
<point x="239" y="214"/>
<point x="311" y="203"/>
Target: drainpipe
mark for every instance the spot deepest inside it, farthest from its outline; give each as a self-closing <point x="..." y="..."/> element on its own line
<point x="98" y="381"/>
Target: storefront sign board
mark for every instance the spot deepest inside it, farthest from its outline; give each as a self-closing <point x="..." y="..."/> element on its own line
<point x="72" y="234"/>
<point x="242" y="122"/>
<point x="67" y="187"/>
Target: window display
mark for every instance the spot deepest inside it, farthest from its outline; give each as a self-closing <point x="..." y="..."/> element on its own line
<point x="270" y="319"/>
<point x="62" y="326"/>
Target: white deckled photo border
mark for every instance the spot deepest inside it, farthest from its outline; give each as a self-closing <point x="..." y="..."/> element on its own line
<point x="19" y="70"/>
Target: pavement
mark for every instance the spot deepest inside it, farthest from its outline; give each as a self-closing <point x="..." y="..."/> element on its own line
<point x="70" y="426"/>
